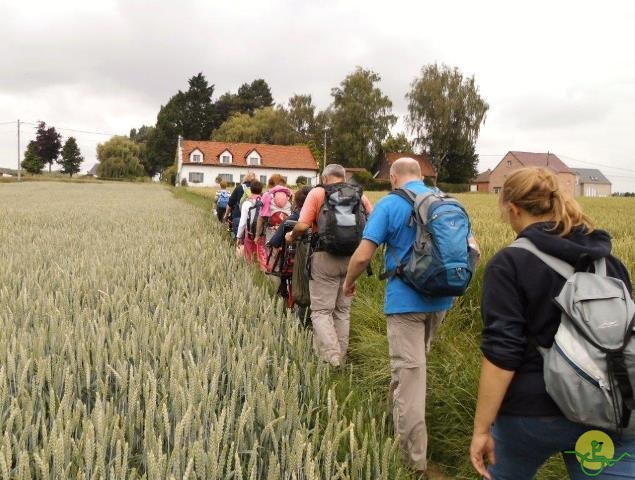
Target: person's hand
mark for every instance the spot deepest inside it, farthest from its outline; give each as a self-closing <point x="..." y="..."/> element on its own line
<point x="482" y="444"/>
<point x="349" y="289"/>
<point x="289" y="237"/>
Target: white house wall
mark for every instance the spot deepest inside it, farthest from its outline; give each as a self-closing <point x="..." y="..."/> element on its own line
<point x="211" y="172"/>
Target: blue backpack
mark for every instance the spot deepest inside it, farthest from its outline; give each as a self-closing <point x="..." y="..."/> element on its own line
<point x="223" y="199"/>
<point x="440" y="263"/>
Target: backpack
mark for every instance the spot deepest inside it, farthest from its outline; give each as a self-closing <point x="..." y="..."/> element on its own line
<point x="223" y="199"/>
<point x="252" y="217"/>
<point x="246" y="195"/>
<point x="589" y="370"/>
<point x="342" y="219"/>
<point x="440" y="262"/>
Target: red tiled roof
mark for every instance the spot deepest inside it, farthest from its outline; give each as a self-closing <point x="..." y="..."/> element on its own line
<point x="482" y="177"/>
<point x="296" y="157"/>
<point x="427" y="170"/>
<point x="530" y="159"/>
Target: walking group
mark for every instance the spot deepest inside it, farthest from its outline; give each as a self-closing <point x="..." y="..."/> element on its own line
<point x="557" y="308"/>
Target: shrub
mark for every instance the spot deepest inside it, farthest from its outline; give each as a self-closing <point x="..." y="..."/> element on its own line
<point x="184" y="182"/>
<point x="169" y="175"/>
<point x="301" y="180"/>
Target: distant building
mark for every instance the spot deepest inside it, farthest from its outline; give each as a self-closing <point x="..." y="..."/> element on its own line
<point x="514" y="160"/>
<point x="427" y="170"/>
<point x="8" y="172"/>
<point x="350" y="172"/>
<point x="93" y="171"/>
<point x="481" y="182"/>
<point x="200" y="163"/>
<point x="590" y="182"/>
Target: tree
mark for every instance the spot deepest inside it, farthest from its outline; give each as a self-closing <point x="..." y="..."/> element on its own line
<point x="399" y="144"/>
<point x="301" y="114"/>
<point x="445" y="112"/>
<point x="142" y="138"/>
<point x="48" y="142"/>
<point x="191" y="114"/>
<point x="119" y="158"/>
<point x="361" y="119"/>
<point x="71" y="157"/>
<point x="267" y="125"/>
<point x="32" y="163"/>
<point x="254" y="96"/>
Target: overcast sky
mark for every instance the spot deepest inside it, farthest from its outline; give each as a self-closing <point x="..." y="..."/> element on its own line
<point x="559" y="76"/>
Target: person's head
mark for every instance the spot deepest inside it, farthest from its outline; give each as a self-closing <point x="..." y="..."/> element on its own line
<point x="249" y="178"/>
<point x="223" y="184"/>
<point x="276" y="179"/>
<point x="404" y="170"/>
<point x="531" y="195"/>
<point x="300" y="197"/>
<point x="256" y="187"/>
<point x="333" y="173"/>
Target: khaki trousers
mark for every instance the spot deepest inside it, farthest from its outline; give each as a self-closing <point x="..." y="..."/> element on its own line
<point x="409" y="337"/>
<point x="330" y="308"/>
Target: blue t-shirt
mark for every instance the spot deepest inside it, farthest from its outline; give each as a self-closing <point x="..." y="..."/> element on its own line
<point x="389" y="224"/>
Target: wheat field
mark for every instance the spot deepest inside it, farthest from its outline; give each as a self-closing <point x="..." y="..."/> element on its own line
<point x="133" y="344"/>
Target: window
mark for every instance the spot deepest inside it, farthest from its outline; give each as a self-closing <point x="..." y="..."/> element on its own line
<point x="228" y="177"/>
<point x="242" y="177"/>
<point x="509" y="163"/>
<point x="196" y="158"/>
<point x="196" y="177"/>
<point x="497" y="189"/>
<point x="263" y="179"/>
<point x="253" y="160"/>
<point x="225" y="159"/>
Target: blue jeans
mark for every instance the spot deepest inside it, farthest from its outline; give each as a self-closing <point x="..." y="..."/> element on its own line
<point x="235" y="222"/>
<point x="523" y="444"/>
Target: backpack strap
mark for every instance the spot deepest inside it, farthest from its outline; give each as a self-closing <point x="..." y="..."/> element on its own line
<point x="559" y="266"/>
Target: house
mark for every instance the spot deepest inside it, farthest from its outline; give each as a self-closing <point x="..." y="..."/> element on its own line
<point x="427" y="170"/>
<point x="481" y="182"/>
<point x="200" y="163"/>
<point x="514" y="160"/>
<point x="350" y="172"/>
<point x="590" y="182"/>
<point x="93" y="171"/>
<point x="8" y="172"/>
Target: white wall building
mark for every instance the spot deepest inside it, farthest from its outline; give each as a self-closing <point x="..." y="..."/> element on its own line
<point x="201" y="163"/>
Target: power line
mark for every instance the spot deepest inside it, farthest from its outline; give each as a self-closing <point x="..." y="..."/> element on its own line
<point x="8" y="123"/>
<point x="599" y="164"/>
<point x="77" y="130"/>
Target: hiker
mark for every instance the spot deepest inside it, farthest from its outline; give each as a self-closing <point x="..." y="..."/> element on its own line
<point x="250" y="210"/>
<point x="277" y="239"/>
<point x="412" y="318"/>
<point x="518" y="425"/>
<point x="221" y="200"/>
<point x="276" y="207"/>
<point x="333" y="245"/>
<point x="235" y="201"/>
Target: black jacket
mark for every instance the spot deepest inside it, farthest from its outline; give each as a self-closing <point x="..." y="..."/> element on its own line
<point x="517" y="305"/>
<point x="234" y="200"/>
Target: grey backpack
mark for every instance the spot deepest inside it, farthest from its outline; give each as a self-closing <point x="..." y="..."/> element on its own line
<point x="589" y="370"/>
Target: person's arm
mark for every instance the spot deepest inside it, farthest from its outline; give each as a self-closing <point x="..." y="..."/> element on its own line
<point x="234" y="198"/>
<point x="259" y="227"/>
<point x="299" y="230"/>
<point x="491" y="391"/>
<point x="308" y="215"/>
<point x="357" y="265"/>
<point x="367" y="205"/>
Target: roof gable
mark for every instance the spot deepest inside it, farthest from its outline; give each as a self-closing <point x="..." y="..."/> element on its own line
<point x="427" y="170"/>
<point x="296" y="157"/>
<point x="549" y="160"/>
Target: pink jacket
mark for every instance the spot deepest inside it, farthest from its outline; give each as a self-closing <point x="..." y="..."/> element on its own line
<point x="268" y="198"/>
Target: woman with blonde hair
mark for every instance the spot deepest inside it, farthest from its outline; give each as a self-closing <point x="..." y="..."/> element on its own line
<point x="517" y="425"/>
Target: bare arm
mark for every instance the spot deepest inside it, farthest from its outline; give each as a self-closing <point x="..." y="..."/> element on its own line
<point x="357" y="265"/>
<point x="299" y="230"/>
<point x="491" y="391"/>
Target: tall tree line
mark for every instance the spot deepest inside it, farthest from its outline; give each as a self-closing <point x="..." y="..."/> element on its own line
<point x="445" y="112"/>
<point x="47" y="148"/>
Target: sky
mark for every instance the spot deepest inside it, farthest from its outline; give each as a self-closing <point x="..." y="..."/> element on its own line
<point x="559" y="76"/>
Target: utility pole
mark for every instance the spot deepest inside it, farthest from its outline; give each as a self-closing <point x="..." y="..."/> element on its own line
<point x="19" y="165"/>
<point x="326" y="129"/>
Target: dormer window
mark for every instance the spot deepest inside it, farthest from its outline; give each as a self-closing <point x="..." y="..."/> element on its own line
<point x="253" y="158"/>
<point x="196" y="156"/>
<point x="226" y="157"/>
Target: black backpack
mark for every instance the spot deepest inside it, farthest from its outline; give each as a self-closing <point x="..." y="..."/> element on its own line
<point x="252" y="217"/>
<point x="342" y="219"/>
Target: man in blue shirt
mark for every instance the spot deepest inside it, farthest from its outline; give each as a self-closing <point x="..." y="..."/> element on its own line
<point x="412" y="319"/>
